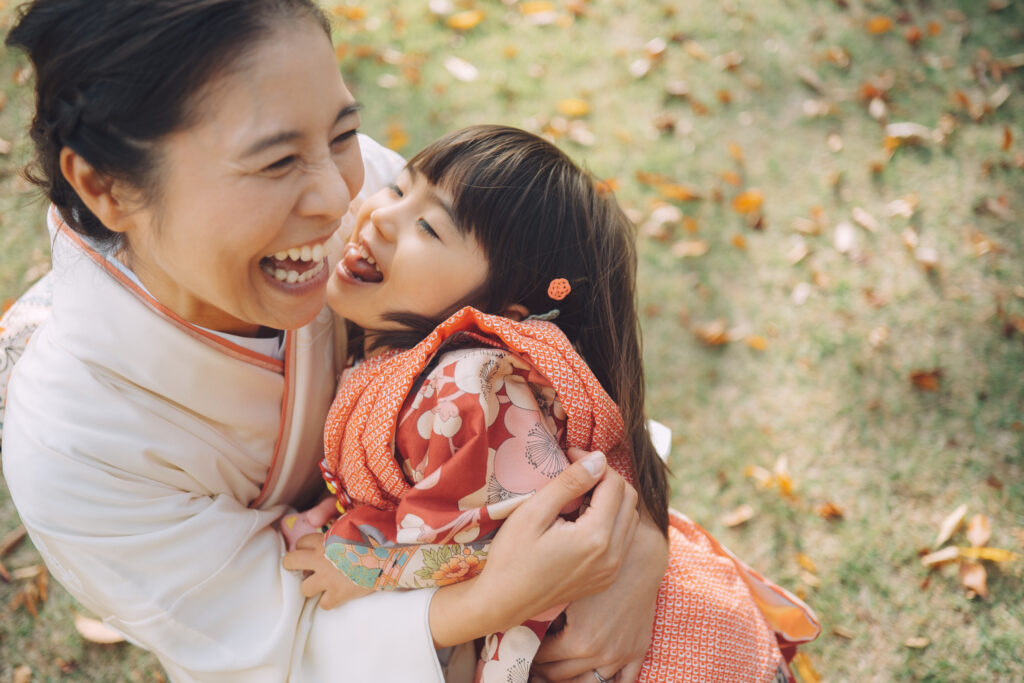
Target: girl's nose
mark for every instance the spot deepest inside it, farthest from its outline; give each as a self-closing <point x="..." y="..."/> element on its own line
<point x="383" y="219"/>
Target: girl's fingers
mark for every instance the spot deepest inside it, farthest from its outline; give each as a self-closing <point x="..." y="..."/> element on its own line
<point x="309" y="542"/>
<point x="298" y="560"/>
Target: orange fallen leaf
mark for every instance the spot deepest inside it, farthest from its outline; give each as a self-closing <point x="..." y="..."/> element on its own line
<point x="806" y="562"/>
<point x="804" y="669"/>
<point x="974" y="578"/>
<point x="843" y="632"/>
<point x="950" y="524"/>
<point x="573" y="107"/>
<point x="739" y="241"/>
<point x="736" y="152"/>
<point x="690" y="224"/>
<point x="917" y="642"/>
<point x="913" y="35"/>
<point x="465" y="20"/>
<point x="96" y="631"/>
<point x="713" y="333"/>
<point x="979" y="530"/>
<point x="990" y="554"/>
<point x="879" y="24"/>
<point x="926" y="380"/>
<point x="934" y="28"/>
<point x="694" y="49"/>
<point x="829" y="510"/>
<point x="1007" y="138"/>
<point x="397" y="137"/>
<point x="350" y="12"/>
<point x="732" y="177"/>
<point x="678" y="192"/>
<point x="536" y="7"/>
<point x="741" y="514"/>
<point x="748" y="202"/>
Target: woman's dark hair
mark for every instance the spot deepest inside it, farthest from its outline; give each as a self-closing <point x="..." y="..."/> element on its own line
<point x="113" y="77"/>
<point x="538" y="217"/>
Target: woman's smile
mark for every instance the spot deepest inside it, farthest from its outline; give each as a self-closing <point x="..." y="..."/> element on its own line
<point x="296" y="264"/>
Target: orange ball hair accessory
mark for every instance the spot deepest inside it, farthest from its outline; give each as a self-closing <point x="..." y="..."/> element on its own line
<point x="559" y="288"/>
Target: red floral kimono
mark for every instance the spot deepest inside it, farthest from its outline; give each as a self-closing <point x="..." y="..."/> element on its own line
<point x="430" y="449"/>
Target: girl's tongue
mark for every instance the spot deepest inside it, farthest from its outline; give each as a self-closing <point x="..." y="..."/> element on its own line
<point x="356" y="264"/>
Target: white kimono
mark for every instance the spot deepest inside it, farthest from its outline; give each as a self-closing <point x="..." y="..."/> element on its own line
<point x="149" y="460"/>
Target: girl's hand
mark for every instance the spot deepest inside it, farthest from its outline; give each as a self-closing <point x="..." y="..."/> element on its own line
<point x="610" y="632"/>
<point x="539" y="560"/>
<point x="321" y="576"/>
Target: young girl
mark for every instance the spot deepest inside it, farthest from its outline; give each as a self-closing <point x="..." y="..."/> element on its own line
<point x="491" y="290"/>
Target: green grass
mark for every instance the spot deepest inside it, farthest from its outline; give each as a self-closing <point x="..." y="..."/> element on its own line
<point x="854" y="429"/>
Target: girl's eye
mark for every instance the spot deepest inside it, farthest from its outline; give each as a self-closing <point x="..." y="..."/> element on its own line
<point x="397" y="190"/>
<point x="280" y="164"/>
<point x="426" y="228"/>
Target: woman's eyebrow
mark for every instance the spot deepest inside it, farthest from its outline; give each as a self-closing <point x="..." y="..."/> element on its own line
<point x="289" y="135"/>
<point x="433" y="195"/>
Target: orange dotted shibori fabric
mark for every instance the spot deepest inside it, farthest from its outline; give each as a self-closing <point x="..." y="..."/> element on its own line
<point x="716" y="619"/>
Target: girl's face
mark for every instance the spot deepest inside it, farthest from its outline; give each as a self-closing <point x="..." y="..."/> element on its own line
<point x="405" y="255"/>
<point x="250" y="193"/>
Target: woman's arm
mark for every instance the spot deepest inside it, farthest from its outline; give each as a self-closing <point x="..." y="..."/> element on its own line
<point x="611" y="630"/>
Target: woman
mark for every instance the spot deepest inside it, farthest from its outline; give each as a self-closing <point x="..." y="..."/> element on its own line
<point x="199" y="154"/>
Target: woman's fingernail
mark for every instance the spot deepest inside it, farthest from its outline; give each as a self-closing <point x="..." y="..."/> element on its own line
<point x="594" y="462"/>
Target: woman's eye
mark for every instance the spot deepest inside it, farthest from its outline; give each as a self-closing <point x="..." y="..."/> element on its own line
<point x="347" y="135"/>
<point x="397" y="190"/>
<point x="426" y="228"/>
<point x="280" y="164"/>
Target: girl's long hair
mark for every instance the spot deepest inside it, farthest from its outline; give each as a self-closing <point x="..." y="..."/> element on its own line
<point x="538" y="217"/>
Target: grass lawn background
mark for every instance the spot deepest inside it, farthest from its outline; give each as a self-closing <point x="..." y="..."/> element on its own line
<point x="819" y="301"/>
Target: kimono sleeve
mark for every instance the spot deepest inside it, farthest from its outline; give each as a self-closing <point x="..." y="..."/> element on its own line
<point x="482" y="433"/>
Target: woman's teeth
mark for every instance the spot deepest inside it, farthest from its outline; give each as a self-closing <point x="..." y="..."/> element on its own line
<point x="293" y="276"/>
<point x="306" y="253"/>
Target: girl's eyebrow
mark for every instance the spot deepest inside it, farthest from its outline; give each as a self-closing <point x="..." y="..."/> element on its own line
<point x="289" y="135"/>
<point x="433" y="195"/>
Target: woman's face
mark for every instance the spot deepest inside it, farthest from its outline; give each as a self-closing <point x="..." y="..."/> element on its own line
<point x="405" y="255"/>
<point x="250" y="193"/>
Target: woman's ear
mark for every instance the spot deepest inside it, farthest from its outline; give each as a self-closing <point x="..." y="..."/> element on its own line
<point x="100" y="194"/>
<point x="515" y="312"/>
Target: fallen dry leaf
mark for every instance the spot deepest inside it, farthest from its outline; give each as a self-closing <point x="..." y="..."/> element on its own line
<point x="879" y="24"/>
<point x="573" y="107"/>
<point x="910" y="133"/>
<point x="974" y="578"/>
<point x="22" y="674"/>
<point x="940" y="557"/>
<point x="844" y="237"/>
<point x="950" y="524"/>
<point x="465" y="20"/>
<point x="990" y="554"/>
<point x="798" y="251"/>
<point x="29" y="572"/>
<point x="96" y="631"/>
<point x="461" y="69"/>
<point x="928" y="257"/>
<point x="806" y="562"/>
<point x="804" y="669"/>
<point x="917" y="642"/>
<point x="748" y="202"/>
<point x="843" y="632"/>
<point x="878" y="336"/>
<point x="694" y="49"/>
<point x="829" y="510"/>
<point x="678" y="192"/>
<point x="979" y="530"/>
<point x="11" y="540"/>
<point x="741" y="514"/>
<point x="739" y="241"/>
<point x="713" y="333"/>
<point x="757" y="342"/>
<point x="927" y="380"/>
<point x="397" y="137"/>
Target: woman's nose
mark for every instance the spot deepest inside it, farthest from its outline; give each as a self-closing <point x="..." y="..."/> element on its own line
<point x="327" y="194"/>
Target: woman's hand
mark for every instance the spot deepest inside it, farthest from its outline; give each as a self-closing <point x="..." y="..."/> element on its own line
<point x="539" y="560"/>
<point x="322" y="577"/>
<point x="610" y="632"/>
